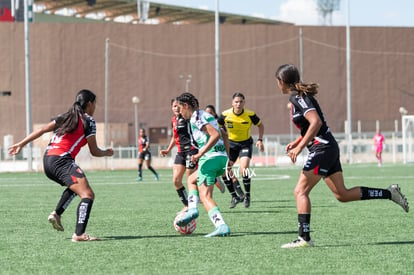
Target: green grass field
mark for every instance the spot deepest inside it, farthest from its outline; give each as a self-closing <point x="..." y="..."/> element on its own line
<point x="135" y="221"/>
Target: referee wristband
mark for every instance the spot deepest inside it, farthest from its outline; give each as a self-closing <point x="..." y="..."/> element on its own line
<point x="259" y="139"/>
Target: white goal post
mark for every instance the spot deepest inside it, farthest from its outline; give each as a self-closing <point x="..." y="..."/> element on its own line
<point x="408" y="138"/>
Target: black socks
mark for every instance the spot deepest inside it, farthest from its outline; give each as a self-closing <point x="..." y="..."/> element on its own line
<point x="84" y="209"/>
<point x="304" y="226"/>
<point x="66" y="198"/>
<point x="368" y="193"/>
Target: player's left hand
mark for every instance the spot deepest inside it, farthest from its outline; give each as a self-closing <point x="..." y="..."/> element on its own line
<point x="259" y="144"/>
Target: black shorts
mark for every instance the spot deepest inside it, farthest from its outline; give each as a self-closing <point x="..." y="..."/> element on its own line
<point x="145" y="155"/>
<point x="180" y="158"/>
<point x="241" y="149"/>
<point x="323" y="159"/>
<point x="62" y="170"/>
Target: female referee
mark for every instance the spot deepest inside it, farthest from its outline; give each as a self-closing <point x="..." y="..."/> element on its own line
<point x="238" y="122"/>
<point x="71" y="131"/>
<point x="323" y="159"/>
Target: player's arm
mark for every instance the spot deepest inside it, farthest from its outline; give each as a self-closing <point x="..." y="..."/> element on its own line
<point x="256" y="121"/>
<point x="164" y="152"/>
<point x="147" y="144"/>
<point x="226" y="142"/>
<point x="315" y="124"/>
<point x="259" y="143"/>
<point x="293" y="144"/>
<point x="214" y="137"/>
<point x="95" y="150"/>
<point x="15" y="148"/>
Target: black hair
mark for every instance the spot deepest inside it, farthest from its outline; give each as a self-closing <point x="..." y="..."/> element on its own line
<point x="190" y="99"/>
<point x="289" y="74"/>
<point x="69" y="120"/>
<point x="238" y="94"/>
<point x="212" y="108"/>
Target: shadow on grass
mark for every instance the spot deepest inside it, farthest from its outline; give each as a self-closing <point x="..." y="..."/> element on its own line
<point x="233" y="234"/>
<point x="377" y="243"/>
<point x="276" y="201"/>
<point x="392" y="243"/>
<point x="245" y="211"/>
<point x="121" y="238"/>
<point x="255" y="233"/>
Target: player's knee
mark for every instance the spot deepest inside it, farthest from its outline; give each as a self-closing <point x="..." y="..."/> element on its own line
<point x="87" y="194"/>
<point x="298" y="192"/>
<point x="177" y="183"/>
<point x="341" y="197"/>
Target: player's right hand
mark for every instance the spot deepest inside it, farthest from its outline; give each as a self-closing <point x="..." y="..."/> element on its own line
<point x="14" y="149"/>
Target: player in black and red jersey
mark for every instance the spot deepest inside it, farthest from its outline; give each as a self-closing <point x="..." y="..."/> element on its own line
<point x="323" y="160"/>
<point x="180" y="138"/>
<point x="144" y="154"/>
<point x="72" y="131"/>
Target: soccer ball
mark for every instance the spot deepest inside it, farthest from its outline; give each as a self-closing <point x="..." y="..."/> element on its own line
<point x="186" y="229"/>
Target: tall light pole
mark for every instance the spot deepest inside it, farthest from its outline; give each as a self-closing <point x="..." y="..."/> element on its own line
<point x="403" y="112"/>
<point x="27" y="84"/>
<point x="217" y="54"/>
<point x="348" y="81"/>
<point x="135" y="100"/>
<point x="187" y="80"/>
<point x="106" y="91"/>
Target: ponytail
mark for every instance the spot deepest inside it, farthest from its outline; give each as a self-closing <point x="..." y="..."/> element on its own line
<point x="289" y="74"/>
<point x="307" y="88"/>
<point x="69" y="121"/>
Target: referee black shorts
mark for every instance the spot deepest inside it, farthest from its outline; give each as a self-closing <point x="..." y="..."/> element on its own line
<point x="241" y="149"/>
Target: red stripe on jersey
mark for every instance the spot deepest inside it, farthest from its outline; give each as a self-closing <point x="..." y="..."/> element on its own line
<point x="69" y="143"/>
<point x="175" y="133"/>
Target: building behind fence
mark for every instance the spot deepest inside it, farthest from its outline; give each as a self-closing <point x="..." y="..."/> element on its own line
<point x="125" y="158"/>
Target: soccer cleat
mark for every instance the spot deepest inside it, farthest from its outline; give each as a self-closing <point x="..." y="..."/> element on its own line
<point x="220" y="185"/>
<point x="139" y="178"/>
<point x="221" y="231"/>
<point x="156" y="177"/>
<point x="398" y="197"/>
<point x="83" y="238"/>
<point x="234" y="201"/>
<point x="185" y="208"/>
<point x="246" y="201"/>
<point x="299" y="243"/>
<point x="240" y="194"/>
<point x="54" y="219"/>
<point x="239" y="191"/>
<point x="190" y="214"/>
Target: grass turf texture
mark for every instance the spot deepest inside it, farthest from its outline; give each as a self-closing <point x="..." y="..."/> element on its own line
<point x="135" y="220"/>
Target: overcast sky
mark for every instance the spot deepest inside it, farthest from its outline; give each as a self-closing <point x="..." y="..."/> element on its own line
<point x="395" y="13"/>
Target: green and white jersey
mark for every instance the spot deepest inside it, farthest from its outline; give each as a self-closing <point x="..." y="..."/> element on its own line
<point x="198" y="120"/>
